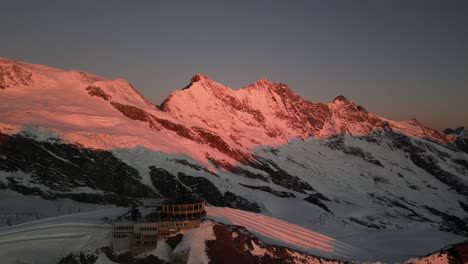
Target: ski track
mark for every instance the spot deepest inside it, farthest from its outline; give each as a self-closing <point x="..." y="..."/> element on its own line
<point x="283" y="231"/>
<point x="45" y="237"/>
<point x="63" y="218"/>
<point x="45" y="227"/>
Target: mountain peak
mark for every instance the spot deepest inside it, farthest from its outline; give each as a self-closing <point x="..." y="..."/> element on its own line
<point x="341" y="98"/>
<point x="199" y="78"/>
<point x="414" y="121"/>
<point x="263" y="81"/>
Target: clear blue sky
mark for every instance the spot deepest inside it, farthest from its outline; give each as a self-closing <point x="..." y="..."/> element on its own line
<point x="398" y="58"/>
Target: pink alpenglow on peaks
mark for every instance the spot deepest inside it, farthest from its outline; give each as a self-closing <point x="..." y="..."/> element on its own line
<point x="204" y="120"/>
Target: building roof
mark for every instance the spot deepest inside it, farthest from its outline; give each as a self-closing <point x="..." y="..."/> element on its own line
<point x="183" y="200"/>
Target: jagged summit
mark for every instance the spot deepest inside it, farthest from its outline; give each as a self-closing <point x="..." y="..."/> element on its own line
<point x="263" y="82"/>
<point x="414" y="121"/>
<point x="199" y="78"/>
<point x="341" y="98"/>
<point x="202" y="81"/>
<point x="263" y="113"/>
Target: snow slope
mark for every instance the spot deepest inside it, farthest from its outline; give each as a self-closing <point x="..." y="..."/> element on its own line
<point x="332" y="167"/>
<point x="49" y="240"/>
<point x="87" y="109"/>
<point x="275" y="231"/>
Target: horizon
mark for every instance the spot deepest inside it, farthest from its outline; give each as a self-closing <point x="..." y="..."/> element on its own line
<point x="399" y="60"/>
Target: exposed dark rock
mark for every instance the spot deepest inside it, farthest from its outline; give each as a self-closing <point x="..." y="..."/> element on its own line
<point x="378" y="179"/>
<point x="138" y="114"/>
<point x="279" y="176"/>
<point x="90" y="257"/>
<point x="166" y="183"/>
<point x="429" y="164"/>
<point x="463" y="163"/>
<point x="79" y="258"/>
<point x="400" y="203"/>
<point x="194" y="166"/>
<point x="462" y="144"/>
<point x="464" y="206"/>
<point x="61" y="168"/>
<point x="337" y="143"/>
<point x="131" y="112"/>
<point x="456" y="131"/>
<point x="301" y="115"/>
<point x="14" y="75"/>
<point x="205" y="189"/>
<point x="97" y="91"/>
<point x="198" y="187"/>
<point x="3" y="186"/>
<point x="236" y="201"/>
<point x="213" y="140"/>
<point x="450" y="223"/>
<point x="340" y="98"/>
<point x="365" y="223"/>
<point x="460" y="252"/>
<point x="177" y="128"/>
<point x="320" y="197"/>
<point x="173" y="241"/>
<point x="426" y="162"/>
<point x="268" y="189"/>
<point x="237" y="170"/>
<point x="227" y="248"/>
<point x="247" y="173"/>
<point x="317" y="201"/>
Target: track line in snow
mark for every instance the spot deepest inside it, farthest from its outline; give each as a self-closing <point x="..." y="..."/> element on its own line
<point x="283" y="231"/>
<point x="45" y="237"/>
<point x="279" y="232"/>
<point x="45" y="227"/>
<point x="62" y="218"/>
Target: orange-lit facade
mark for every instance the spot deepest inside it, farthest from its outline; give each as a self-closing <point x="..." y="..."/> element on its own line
<point x="195" y="208"/>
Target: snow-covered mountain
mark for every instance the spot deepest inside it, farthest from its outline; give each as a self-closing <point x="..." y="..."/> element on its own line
<point x="461" y="137"/>
<point x="332" y="167"/>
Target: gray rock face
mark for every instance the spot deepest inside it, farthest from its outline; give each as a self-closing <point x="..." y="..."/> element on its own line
<point x="57" y="170"/>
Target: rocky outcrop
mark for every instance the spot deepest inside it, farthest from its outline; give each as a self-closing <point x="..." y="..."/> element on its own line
<point x="200" y="187"/>
<point x="268" y="189"/>
<point x="234" y="244"/>
<point x="13" y="75"/>
<point x="92" y="257"/>
<point x="98" y="92"/>
<point x="57" y="170"/>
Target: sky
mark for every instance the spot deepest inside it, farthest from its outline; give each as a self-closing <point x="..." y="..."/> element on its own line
<point x="400" y="59"/>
